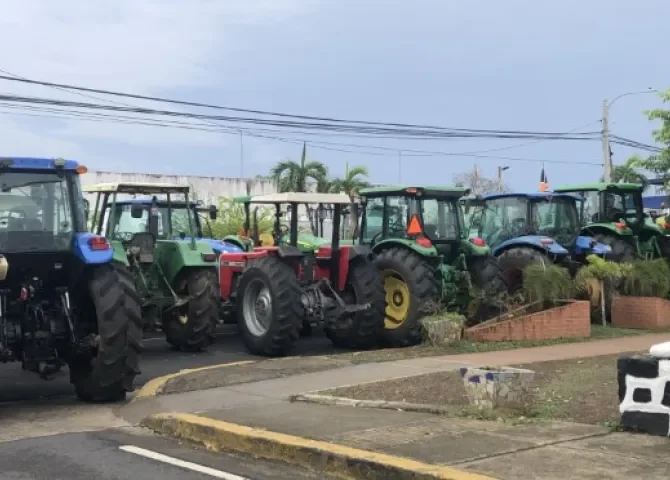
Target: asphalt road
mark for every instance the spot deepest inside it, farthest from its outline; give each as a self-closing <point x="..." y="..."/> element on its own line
<point x="130" y="454"/>
<point x="158" y="359"/>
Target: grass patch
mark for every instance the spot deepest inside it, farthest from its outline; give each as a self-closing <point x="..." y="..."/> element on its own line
<point x="581" y="390"/>
<point x="598" y="332"/>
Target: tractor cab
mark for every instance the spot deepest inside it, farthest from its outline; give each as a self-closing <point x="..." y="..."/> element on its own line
<point x="152" y="228"/>
<point x="614" y="214"/>
<point x="429" y="217"/>
<point x="250" y="236"/>
<point x="279" y="290"/>
<point x="472" y="206"/>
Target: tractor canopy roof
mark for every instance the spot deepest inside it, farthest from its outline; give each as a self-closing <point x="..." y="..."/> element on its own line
<point x="532" y="195"/>
<point x="301" y="197"/>
<point x="147" y="202"/>
<point x="430" y="190"/>
<point x="601" y="187"/>
<point x="242" y="199"/>
<point x="136" y="188"/>
<point x="33" y="163"/>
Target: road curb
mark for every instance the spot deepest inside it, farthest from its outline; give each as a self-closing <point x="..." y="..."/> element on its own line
<point x="338" y="460"/>
<point x="155" y="386"/>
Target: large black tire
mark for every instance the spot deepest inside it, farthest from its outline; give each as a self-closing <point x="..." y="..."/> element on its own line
<point x="110" y="373"/>
<point x="364" y="285"/>
<point x="422" y="283"/>
<point x="282" y="304"/>
<point x="512" y="262"/>
<point x="201" y="313"/>
<point x="491" y="289"/>
<point x="622" y="251"/>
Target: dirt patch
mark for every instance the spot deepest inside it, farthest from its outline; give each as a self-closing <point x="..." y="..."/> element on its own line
<point x="582" y="391"/>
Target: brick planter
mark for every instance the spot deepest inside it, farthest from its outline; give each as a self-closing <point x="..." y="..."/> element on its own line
<point x="649" y="313"/>
<point x="571" y="320"/>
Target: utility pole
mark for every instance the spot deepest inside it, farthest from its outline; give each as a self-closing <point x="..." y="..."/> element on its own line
<point x="607" y="157"/>
<point x="241" y="155"/>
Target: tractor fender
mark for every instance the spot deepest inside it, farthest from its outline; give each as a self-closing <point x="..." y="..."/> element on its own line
<point x="404" y="243"/>
<point x="289" y="252"/>
<point x="531" y="241"/>
<point x="358" y="251"/>
<point x="587" y="245"/>
<point x="83" y="251"/>
<point x="217" y="245"/>
<point x="244" y="244"/>
<point x="175" y="256"/>
<point x="471" y="249"/>
<point x="605" y="229"/>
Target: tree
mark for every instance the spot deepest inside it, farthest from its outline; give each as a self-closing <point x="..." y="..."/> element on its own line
<point x="351" y="184"/>
<point x="231" y="218"/>
<point x="660" y="162"/>
<point x="627" y="172"/>
<point x="477" y="183"/>
<point x="292" y="176"/>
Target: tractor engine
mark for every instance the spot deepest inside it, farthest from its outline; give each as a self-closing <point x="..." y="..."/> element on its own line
<point x="34" y="326"/>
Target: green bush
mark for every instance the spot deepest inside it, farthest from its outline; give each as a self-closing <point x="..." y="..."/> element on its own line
<point x="547" y="283"/>
<point x="231" y="219"/>
<point x="647" y="278"/>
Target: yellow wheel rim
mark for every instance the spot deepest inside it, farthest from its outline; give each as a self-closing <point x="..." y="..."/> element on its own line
<point x="397" y="299"/>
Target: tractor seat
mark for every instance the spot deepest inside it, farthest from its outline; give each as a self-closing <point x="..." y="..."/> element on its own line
<point x="142" y="246"/>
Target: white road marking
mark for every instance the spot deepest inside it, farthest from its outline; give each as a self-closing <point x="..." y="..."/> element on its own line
<point x="159" y="457"/>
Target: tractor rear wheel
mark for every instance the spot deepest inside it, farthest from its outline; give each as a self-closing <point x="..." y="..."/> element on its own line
<point x="110" y="372"/>
<point x="490" y="289"/>
<point x="513" y="261"/>
<point x="622" y="251"/>
<point x="269" y="311"/>
<point x="362" y="329"/>
<point x="190" y="327"/>
<point x="410" y="284"/>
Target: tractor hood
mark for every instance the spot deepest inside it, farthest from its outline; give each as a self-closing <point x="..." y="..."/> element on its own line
<point x="307" y="242"/>
<point x="219" y="246"/>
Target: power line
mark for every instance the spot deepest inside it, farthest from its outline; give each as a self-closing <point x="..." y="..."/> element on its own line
<point x="389" y="151"/>
<point x="16" y="78"/>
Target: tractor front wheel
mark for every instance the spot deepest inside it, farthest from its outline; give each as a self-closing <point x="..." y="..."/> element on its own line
<point x="364" y="286"/>
<point x="109" y="373"/>
<point x="190" y="327"/>
<point x="513" y="261"/>
<point x="489" y="289"/>
<point x="269" y="311"/>
<point x="410" y="284"/>
<point x="622" y="251"/>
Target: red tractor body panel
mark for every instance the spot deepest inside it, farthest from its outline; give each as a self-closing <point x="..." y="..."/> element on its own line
<point x="231" y="264"/>
<point x="323" y="266"/>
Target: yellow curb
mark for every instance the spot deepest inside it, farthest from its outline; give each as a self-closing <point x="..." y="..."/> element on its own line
<point x="155" y="386"/>
<point x="338" y="460"/>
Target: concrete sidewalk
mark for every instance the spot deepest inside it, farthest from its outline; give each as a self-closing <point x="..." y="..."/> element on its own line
<point x="457" y="449"/>
<point x="256" y="417"/>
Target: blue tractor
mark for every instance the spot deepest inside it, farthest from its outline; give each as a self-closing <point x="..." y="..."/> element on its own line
<point x="523" y="228"/>
<point x="179" y="218"/>
<point x="65" y="299"/>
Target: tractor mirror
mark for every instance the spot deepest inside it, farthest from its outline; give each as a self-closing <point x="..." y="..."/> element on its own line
<point x="136" y="210"/>
<point x="213" y="212"/>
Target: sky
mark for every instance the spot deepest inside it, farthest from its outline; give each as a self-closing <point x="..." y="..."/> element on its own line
<point x="513" y="65"/>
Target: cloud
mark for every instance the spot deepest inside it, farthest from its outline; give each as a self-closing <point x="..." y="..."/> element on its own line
<point x="147" y="47"/>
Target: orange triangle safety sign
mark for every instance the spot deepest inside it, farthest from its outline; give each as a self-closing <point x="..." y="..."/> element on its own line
<point x="414" y="227"/>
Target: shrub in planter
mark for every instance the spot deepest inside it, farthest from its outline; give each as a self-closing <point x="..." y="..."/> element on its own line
<point x="598" y="281"/>
<point x="442" y="328"/>
<point x="643" y="296"/>
<point x="546" y="285"/>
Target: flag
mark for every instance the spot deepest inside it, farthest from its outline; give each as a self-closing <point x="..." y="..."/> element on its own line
<point x="544" y="184"/>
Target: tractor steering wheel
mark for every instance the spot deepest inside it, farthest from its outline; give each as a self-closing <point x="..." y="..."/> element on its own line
<point x="284" y="229"/>
<point x="124" y="236"/>
<point x="393" y="228"/>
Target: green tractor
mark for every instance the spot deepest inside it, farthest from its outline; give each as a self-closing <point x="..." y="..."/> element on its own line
<point x="249" y="237"/>
<point x="175" y="274"/>
<point x="426" y="258"/>
<point x="613" y="214"/>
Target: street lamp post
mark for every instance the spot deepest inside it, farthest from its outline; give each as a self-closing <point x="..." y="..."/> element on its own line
<point x="607" y="157"/>
<point x="501" y="169"/>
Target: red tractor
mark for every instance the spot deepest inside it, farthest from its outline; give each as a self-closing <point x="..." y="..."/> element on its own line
<point x="277" y="290"/>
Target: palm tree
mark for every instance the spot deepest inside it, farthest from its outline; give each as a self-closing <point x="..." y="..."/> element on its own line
<point x="351" y="184"/>
<point x="627" y="172"/>
<point x="292" y="176"/>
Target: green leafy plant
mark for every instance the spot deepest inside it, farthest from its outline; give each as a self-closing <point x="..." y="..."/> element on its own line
<point x="547" y="284"/>
<point x="231" y="219"/>
<point x="647" y="278"/>
<point x="597" y="281"/>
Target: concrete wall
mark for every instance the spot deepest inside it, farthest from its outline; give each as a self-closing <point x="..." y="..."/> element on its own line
<point x="207" y="189"/>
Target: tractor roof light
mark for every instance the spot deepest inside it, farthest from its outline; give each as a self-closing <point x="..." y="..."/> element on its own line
<point x="478" y="241"/>
<point x="81" y="169"/>
<point x="411" y="190"/>
<point x="59" y="162"/>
